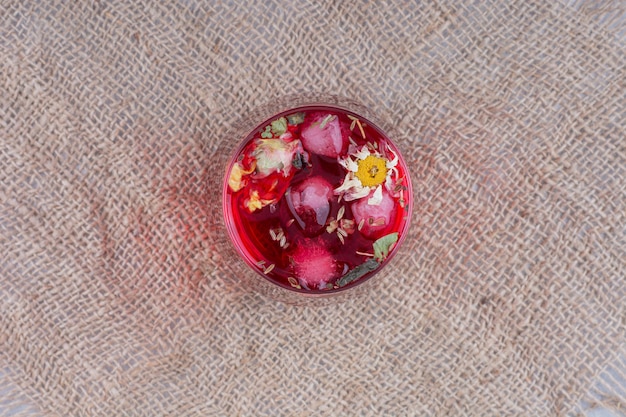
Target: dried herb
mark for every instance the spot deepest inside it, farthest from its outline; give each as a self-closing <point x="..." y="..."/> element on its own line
<point x="347" y="225"/>
<point x="326" y="120"/>
<point x="341" y="212"/>
<point x="279" y="126"/>
<point x="383" y="245"/>
<point x="358" y="272"/>
<point x="294" y="282"/>
<point x="296" y="118"/>
<point x="354" y="119"/>
<point x="332" y="225"/>
<point x="378" y="222"/>
<point x="299" y="160"/>
<point x="357" y="122"/>
<point x="399" y="186"/>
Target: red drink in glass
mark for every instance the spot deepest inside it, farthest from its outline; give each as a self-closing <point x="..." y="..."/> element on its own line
<point x="317" y="199"/>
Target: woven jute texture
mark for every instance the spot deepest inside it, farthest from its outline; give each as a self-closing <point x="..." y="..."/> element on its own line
<point x="116" y="296"/>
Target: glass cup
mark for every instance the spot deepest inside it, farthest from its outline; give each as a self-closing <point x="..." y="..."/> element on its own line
<point x="316" y="198"/>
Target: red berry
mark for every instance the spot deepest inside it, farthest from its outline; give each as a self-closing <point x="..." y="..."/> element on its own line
<point x="314" y="264"/>
<point x="325" y="135"/>
<point x="376" y="218"/>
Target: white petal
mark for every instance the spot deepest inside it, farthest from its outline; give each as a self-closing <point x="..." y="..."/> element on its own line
<point x="391" y="164"/>
<point x="363" y="153"/>
<point x="377" y="197"/>
<point x="389" y="183"/>
<point x="347" y="184"/>
<point x="356" y="193"/>
<point x="355" y="183"/>
<point x="351" y="165"/>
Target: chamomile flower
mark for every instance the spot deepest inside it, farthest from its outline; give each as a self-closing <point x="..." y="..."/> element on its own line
<point x="368" y="170"/>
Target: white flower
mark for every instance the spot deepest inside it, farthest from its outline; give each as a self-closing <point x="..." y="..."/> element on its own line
<point x="367" y="170"/>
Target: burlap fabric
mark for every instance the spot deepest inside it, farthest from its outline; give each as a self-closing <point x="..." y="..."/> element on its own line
<point x="115" y="293"/>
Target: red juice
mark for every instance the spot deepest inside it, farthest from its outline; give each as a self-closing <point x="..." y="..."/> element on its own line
<point x="317" y="199"/>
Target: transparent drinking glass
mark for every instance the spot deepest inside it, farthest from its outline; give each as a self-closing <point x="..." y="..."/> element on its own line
<point x="315" y="198"/>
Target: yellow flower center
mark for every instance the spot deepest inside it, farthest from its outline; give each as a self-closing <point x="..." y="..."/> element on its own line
<point x="372" y="171"/>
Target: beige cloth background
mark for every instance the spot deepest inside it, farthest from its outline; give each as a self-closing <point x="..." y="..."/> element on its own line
<point x="115" y="294"/>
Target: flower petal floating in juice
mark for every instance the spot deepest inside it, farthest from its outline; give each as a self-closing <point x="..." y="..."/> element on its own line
<point x="317" y="199"/>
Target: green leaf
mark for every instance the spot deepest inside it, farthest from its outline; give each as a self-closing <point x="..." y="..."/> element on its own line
<point x="279" y="126"/>
<point x="296" y="118"/>
<point x="383" y="245"/>
<point x="266" y="134"/>
<point x="358" y="272"/>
